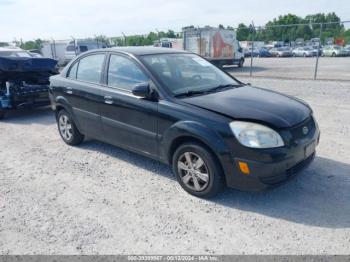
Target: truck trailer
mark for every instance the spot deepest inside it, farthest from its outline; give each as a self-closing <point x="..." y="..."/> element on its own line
<point x="218" y="46"/>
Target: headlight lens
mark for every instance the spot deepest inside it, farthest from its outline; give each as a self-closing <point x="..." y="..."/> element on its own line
<point x="256" y="135"/>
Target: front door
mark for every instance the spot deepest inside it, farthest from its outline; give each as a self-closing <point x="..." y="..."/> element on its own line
<point x="127" y="120"/>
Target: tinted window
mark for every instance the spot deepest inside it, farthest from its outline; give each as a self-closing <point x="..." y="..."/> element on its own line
<point x="124" y="73"/>
<point x="83" y="48"/>
<point x="73" y="71"/>
<point x="90" y="68"/>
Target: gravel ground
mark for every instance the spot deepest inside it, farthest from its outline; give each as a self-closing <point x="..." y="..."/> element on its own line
<point x="98" y="199"/>
<point x="329" y="68"/>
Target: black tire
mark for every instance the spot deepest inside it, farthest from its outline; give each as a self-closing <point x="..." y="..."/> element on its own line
<point x="333" y="54"/>
<point x="74" y="137"/>
<point x="2" y="114"/>
<point x="241" y="62"/>
<point x="213" y="170"/>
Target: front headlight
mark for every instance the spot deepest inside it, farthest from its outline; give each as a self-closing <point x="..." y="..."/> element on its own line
<point x="256" y="135"/>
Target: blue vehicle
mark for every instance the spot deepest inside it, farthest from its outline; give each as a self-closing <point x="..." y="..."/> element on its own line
<point x="24" y="80"/>
<point x="248" y="52"/>
<point x="262" y="52"/>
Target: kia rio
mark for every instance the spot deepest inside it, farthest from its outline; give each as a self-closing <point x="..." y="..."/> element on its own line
<point x="178" y="108"/>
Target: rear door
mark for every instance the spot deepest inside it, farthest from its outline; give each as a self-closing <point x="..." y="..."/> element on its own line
<point x="127" y="120"/>
<point x="84" y="92"/>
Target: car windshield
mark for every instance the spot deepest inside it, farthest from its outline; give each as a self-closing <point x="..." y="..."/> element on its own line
<point x="187" y="74"/>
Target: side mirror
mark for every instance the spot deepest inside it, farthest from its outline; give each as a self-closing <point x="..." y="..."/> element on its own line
<point x="142" y="90"/>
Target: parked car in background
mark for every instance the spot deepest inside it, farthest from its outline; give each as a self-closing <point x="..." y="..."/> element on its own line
<point x="264" y="52"/>
<point x="24" y="79"/>
<point x="78" y="47"/>
<point x="180" y="109"/>
<point x="334" y="50"/>
<point x="347" y="48"/>
<point x="304" y="51"/>
<point x="280" y="52"/>
<point x="248" y="52"/>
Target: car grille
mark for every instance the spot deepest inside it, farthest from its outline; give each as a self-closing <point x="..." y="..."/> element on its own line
<point x="290" y="173"/>
<point x="297" y="131"/>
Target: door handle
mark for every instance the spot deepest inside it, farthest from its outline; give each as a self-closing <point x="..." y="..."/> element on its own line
<point x="108" y="100"/>
<point x="69" y="90"/>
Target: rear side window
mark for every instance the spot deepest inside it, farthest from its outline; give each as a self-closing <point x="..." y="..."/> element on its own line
<point x="124" y="73"/>
<point x="90" y="68"/>
<point x="73" y="71"/>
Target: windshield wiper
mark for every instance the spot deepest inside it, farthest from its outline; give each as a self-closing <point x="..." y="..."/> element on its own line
<point x="207" y="91"/>
<point x="221" y="87"/>
<point x="190" y="93"/>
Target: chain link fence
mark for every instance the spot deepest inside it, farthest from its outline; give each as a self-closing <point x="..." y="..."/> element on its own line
<point x="294" y="51"/>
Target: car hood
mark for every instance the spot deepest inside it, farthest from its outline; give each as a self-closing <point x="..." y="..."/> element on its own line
<point x="256" y="104"/>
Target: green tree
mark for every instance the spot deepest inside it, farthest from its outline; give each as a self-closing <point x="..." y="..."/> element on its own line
<point x="242" y="32"/>
<point x="29" y="45"/>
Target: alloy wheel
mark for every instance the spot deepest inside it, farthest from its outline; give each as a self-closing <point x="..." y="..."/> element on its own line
<point x="66" y="128"/>
<point x="193" y="171"/>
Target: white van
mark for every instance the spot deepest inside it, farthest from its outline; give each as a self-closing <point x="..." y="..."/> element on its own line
<point x="77" y="47"/>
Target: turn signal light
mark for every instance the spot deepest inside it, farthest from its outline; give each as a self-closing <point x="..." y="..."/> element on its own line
<point x="244" y="167"/>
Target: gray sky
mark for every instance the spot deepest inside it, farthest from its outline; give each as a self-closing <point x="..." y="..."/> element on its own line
<point x="82" y="18"/>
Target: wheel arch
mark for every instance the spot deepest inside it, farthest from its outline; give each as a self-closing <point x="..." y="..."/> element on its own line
<point x="189" y="131"/>
<point x="61" y="103"/>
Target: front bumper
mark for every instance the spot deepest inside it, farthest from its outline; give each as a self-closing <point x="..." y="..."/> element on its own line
<point x="26" y="96"/>
<point x="273" y="167"/>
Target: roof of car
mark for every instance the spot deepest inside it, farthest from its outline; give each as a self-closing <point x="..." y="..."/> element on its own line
<point x="141" y="50"/>
<point x="7" y="48"/>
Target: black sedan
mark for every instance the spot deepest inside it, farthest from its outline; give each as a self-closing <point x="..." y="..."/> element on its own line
<point x="178" y="108"/>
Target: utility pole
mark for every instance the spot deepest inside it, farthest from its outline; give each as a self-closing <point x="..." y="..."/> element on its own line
<point x="124" y="38"/>
<point x="318" y="52"/>
<point x="251" y="54"/>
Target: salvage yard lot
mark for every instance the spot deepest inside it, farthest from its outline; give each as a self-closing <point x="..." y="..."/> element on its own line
<point x="96" y="198"/>
<point x="329" y="68"/>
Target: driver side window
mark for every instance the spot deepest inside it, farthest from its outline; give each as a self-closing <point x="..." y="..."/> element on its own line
<point x="124" y="73"/>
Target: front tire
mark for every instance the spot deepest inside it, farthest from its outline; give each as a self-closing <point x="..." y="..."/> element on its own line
<point x="241" y="62"/>
<point x="197" y="170"/>
<point x="67" y="129"/>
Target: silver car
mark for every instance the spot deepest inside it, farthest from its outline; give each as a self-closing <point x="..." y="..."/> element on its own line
<point x="304" y="51"/>
<point x="280" y="52"/>
<point x="334" y="50"/>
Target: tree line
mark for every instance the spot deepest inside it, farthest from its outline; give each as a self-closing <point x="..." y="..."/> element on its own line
<point x="307" y="27"/>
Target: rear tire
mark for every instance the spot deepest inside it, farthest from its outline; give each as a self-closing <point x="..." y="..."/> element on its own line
<point x="241" y="62"/>
<point x="333" y="54"/>
<point x="67" y="129"/>
<point x="197" y="170"/>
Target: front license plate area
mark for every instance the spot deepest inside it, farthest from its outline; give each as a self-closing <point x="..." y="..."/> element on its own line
<point x="310" y="149"/>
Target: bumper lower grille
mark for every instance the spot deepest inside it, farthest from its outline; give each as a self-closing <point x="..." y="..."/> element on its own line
<point x="290" y="173"/>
